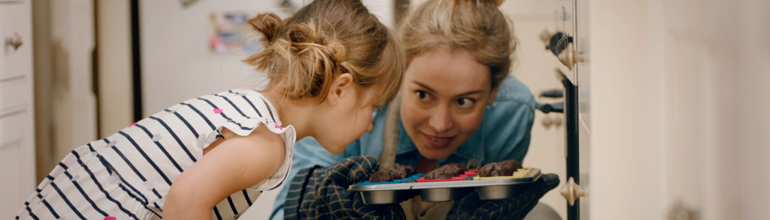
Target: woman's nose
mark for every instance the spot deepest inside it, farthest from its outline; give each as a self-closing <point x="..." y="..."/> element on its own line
<point x="440" y="120"/>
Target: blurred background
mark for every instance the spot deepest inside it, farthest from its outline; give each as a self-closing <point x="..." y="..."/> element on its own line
<point x="670" y="98"/>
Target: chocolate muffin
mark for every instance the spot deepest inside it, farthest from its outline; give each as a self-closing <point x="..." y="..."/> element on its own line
<point x="446" y="172"/>
<point x="395" y="172"/>
<point x="504" y="168"/>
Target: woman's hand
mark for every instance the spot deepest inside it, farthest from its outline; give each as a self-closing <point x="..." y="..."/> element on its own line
<point x="234" y="164"/>
<point x="321" y="193"/>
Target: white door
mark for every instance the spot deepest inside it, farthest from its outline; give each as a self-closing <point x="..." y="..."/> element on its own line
<point x="17" y="143"/>
<point x="679" y="109"/>
<point x="583" y="72"/>
<point x="534" y="66"/>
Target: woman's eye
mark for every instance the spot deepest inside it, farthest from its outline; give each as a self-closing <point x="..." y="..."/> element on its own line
<point x="465" y="102"/>
<point x="423" y="96"/>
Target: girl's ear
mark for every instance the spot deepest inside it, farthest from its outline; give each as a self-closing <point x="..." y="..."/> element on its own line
<point x="341" y="86"/>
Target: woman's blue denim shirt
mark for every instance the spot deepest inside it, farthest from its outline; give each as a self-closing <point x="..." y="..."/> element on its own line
<point x="503" y="134"/>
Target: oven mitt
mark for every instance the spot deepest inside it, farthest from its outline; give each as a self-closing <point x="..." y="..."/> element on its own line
<point x="321" y="193"/>
<point x="472" y="207"/>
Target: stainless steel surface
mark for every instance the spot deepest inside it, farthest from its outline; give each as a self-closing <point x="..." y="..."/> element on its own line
<point x="496" y="192"/>
<point x="386" y="196"/>
<point x="443" y="191"/>
<point x="379" y="187"/>
<point x="444" y="194"/>
<point x="532" y="176"/>
<point x="377" y="194"/>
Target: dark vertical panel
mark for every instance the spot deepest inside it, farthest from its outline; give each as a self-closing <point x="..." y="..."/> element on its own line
<point x="399" y="11"/>
<point x="572" y="123"/>
<point x="95" y="70"/>
<point x="136" y="60"/>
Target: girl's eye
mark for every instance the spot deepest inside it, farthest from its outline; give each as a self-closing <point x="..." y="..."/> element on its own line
<point x="466" y="103"/>
<point x="423" y="96"/>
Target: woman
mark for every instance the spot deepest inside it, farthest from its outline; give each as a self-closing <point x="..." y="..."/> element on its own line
<point x="459" y="105"/>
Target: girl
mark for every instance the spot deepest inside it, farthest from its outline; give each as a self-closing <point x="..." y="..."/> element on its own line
<point x="329" y="65"/>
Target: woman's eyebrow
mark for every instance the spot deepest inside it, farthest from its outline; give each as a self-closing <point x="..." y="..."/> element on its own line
<point x="434" y="91"/>
<point x="470" y="93"/>
<point x="425" y="87"/>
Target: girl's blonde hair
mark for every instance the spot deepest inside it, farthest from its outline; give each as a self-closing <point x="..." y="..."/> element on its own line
<point x="324" y="39"/>
<point x="477" y="26"/>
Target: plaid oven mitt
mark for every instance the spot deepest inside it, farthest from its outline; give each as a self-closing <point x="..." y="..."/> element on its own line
<point x="472" y="207"/>
<point x="321" y="193"/>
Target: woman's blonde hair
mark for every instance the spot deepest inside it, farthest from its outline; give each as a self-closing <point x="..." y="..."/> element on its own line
<point x="477" y="26"/>
<point x="324" y="39"/>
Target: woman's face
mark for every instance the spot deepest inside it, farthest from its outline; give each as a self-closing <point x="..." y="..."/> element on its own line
<point x="444" y="95"/>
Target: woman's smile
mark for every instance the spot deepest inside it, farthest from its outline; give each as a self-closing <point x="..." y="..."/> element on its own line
<point x="438" y="142"/>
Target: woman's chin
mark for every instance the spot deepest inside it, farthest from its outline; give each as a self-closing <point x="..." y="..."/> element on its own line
<point x="434" y="154"/>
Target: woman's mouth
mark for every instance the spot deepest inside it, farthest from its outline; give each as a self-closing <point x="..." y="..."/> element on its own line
<point x="438" y="142"/>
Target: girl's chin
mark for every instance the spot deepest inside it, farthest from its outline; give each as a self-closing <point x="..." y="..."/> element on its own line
<point x="334" y="148"/>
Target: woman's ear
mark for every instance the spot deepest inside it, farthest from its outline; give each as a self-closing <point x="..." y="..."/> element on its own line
<point x="493" y="95"/>
<point x="341" y="86"/>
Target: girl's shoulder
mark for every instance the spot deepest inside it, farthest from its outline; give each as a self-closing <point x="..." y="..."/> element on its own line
<point x="235" y="104"/>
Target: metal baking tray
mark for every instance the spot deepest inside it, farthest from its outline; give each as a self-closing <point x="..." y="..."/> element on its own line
<point x="386" y="193"/>
<point x="489" y="189"/>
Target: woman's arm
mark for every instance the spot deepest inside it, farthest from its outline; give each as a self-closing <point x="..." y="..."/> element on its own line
<point x="322" y="193"/>
<point x="307" y="153"/>
<point x="235" y="163"/>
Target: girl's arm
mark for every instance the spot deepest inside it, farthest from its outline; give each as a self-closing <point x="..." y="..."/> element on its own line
<point x="235" y="163"/>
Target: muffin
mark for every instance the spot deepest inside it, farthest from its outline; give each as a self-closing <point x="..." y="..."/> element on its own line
<point x="395" y="172"/>
<point x="446" y="172"/>
<point x="504" y="168"/>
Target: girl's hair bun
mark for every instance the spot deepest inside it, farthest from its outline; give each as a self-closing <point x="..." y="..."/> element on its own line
<point x="268" y="24"/>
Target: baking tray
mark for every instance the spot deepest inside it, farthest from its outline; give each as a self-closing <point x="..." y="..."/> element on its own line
<point x="391" y="192"/>
<point x="489" y="188"/>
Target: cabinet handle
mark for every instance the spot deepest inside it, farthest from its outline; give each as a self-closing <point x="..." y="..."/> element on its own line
<point x="14" y="41"/>
<point x="572" y="191"/>
<point x="680" y="212"/>
<point x="569" y="57"/>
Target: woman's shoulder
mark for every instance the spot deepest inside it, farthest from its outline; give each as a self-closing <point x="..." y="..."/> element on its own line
<point x="512" y="90"/>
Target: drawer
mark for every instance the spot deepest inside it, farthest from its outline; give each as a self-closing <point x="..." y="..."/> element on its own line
<point x="15" y="25"/>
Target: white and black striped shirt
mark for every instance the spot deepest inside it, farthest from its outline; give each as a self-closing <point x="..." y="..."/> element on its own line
<point x="129" y="173"/>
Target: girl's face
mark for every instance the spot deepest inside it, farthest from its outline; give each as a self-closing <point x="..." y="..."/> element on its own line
<point x="348" y="114"/>
<point x="444" y="95"/>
